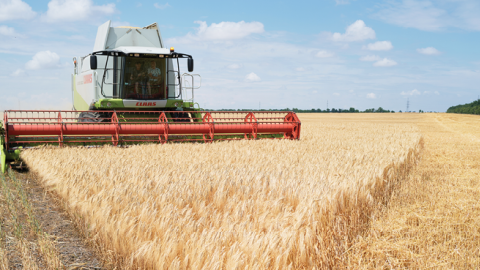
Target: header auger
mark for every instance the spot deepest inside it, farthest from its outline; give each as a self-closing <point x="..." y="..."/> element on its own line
<point x="24" y="129"/>
<point x="129" y="91"/>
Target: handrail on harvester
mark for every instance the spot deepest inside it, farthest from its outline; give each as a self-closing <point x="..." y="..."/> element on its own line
<point x="24" y="128"/>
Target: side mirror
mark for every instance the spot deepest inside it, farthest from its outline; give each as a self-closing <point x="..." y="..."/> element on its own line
<point x="190" y="64"/>
<point x="93" y="62"/>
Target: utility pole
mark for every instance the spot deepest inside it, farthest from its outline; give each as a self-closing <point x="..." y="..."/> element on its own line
<point x="327" y="104"/>
<point x="408" y="104"/>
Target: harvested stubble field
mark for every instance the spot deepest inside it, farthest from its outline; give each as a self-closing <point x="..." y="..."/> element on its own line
<point x="233" y="205"/>
<point x="433" y="218"/>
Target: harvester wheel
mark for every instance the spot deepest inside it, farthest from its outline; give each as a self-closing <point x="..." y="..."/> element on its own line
<point x="91" y="117"/>
<point x="180" y="117"/>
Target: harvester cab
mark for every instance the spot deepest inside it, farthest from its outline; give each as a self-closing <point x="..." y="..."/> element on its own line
<point x="130" y="69"/>
<point x="130" y="91"/>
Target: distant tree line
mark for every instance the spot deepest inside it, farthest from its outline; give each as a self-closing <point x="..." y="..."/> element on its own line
<point x="332" y="110"/>
<point x="469" y="108"/>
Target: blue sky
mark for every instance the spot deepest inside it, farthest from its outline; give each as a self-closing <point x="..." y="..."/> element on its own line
<point x="351" y="53"/>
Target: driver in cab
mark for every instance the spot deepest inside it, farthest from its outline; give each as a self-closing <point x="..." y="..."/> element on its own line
<point x="138" y="78"/>
<point x="154" y="73"/>
<point x="155" y="78"/>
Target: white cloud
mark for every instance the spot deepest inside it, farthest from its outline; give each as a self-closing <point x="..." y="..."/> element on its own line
<point x="414" y="92"/>
<point x="429" y="92"/>
<point x="300" y="69"/>
<point x="336" y="94"/>
<point x="44" y="60"/>
<point x="324" y="54"/>
<point x="430" y="15"/>
<point x="252" y="77"/>
<point x="371" y="96"/>
<point x="370" y="58"/>
<point x="342" y="2"/>
<point x="385" y="62"/>
<point x="18" y="72"/>
<point x="464" y="73"/>
<point x="222" y="31"/>
<point x="9" y="32"/>
<point x="234" y="66"/>
<point x="6" y="31"/>
<point x="160" y="6"/>
<point x="379" y="46"/>
<point x="428" y="51"/>
<point x="357" y="31"/>
<point x="467" y="15"/>
<point x="422" y="15"/>
<point x="76" y="10"/>
<point x="15" y="9"/>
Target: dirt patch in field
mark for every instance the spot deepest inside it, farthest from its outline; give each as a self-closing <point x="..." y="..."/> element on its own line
<point x="73" y="252"/>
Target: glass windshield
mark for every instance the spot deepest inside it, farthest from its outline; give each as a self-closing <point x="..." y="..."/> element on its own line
<point x="145" y="78"/>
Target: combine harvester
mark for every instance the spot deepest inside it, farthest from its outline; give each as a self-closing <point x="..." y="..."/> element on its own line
<point x="130" y="91"/>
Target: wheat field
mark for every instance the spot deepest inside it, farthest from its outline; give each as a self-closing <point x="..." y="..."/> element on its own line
<point x="263" y="204"/>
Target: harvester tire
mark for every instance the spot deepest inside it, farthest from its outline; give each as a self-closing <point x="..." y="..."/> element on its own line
<point x="90" y="117"/>
<point x="180" y="117"/>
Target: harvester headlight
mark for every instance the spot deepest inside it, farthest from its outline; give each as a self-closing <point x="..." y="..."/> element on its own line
<point x="176" y="104"/>
<point x="137" y="55"/>
<point x="109" y="104"/>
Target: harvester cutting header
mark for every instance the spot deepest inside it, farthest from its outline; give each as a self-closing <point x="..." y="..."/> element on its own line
<point x="130" y="90"/>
